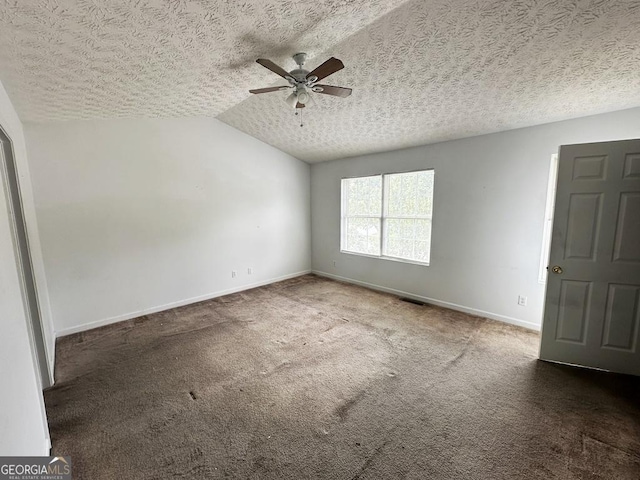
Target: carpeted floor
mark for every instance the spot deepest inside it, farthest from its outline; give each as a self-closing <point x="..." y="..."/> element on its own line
<point x="311" y="378"/>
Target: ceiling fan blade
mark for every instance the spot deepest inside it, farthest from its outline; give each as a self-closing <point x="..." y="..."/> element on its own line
<point x="329" y="67"/>
<point x="268" y="89"/>
<point x="273" y="67"/>
<point x="300" y="105"/>
<point x="331" y="90"/>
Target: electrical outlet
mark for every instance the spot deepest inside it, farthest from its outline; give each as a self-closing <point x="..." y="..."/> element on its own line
<point x="522" y="300"/>
<point x="249" y="270"/>
<point x="233" y="274"/>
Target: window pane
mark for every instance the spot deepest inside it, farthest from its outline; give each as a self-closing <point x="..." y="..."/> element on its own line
<point x="363" y="196"/>
<point x="401" y="195"/>
<point x="422" y="252"/>
<point x="362" y="235"/>
<point x="394" y="195"/>
<point x="424" y="193"/>
<point x="399" y="237"/>
<point x="409" y="194"/>
<point x="407" y="238"/>
<point x="423" y="229"/>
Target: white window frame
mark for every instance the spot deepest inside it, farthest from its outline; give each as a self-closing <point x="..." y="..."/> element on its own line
<point x="384" y="194"/>
<point x="548" y="219"/>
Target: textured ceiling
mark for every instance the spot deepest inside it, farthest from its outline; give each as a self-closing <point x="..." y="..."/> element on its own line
<point x="81" y="59"/>
<point x="422" y="71"/>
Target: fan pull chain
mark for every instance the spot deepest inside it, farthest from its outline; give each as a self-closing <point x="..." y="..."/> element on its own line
<point x="299" y="113"/>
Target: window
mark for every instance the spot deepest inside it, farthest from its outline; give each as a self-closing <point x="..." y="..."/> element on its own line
<point x="388" y="216"/>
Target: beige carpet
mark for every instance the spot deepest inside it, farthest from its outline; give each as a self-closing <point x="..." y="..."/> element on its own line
<point x="311" y="378"/>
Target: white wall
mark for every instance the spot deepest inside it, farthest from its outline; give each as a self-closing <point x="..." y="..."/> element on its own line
<point x="142" y="215"/>
<point x="489" y="201"/>
<point x="23" y="429"/>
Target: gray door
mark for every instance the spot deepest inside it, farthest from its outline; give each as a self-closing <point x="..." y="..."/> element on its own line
<point x="25" y="269"/>
<point x="592" y="307"/>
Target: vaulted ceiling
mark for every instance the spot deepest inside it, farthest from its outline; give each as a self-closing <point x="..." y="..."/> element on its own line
<point x="422" y="71"/>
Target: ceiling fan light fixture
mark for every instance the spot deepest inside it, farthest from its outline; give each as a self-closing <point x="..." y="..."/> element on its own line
<point x="303" y="97"/>
<point x="292" y="100"/>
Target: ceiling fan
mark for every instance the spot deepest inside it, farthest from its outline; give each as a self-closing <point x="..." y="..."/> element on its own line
<point x="303" y="82"/>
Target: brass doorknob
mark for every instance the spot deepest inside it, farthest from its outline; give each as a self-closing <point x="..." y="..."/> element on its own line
<point x="557" y="269"/>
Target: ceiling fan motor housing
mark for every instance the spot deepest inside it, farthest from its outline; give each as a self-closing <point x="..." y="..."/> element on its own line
<point x="299" y="74"/>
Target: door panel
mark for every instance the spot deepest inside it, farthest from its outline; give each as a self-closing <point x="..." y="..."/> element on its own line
<point x="582" y="225"/>
<point x="589" y="168"/>
<point x="592" y="307"/>
<point x="622" y="317"/>
<point x="632" y="166"/>
<point x="627" y="240"/>
<point x="572" y="315"/>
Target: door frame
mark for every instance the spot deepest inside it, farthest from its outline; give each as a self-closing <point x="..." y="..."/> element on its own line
<point x="549" y="211"/>
<point x="24" y="262"/>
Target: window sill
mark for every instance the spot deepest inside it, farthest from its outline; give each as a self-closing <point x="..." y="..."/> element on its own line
<point x="382" y="257"/>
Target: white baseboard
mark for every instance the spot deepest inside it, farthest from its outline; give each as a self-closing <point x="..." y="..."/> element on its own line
<point x="168" y="306"/>
<point x="433" y="301"/>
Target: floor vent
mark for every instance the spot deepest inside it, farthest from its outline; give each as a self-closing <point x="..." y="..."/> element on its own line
<point x="411" y="300"/>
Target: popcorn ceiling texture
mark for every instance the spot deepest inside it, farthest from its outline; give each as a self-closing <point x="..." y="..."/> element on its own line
<point x="85" y="59"/>
<point x="422" y="71"/>
<point x="437" y="70"/>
